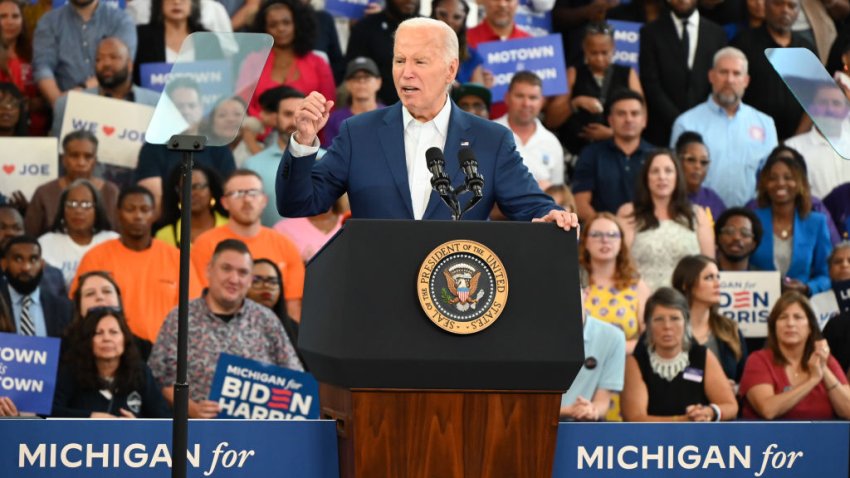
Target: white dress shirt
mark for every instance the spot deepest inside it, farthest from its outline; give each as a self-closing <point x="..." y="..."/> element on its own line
<point x="418" y="138"/>
<point x="543" y="154"/>
<point x="693" y="32"/>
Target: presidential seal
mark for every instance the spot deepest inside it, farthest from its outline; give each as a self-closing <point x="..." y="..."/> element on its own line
<point x="462" y="287"/>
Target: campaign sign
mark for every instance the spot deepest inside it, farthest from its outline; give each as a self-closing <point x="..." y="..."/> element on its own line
<point x="246" y="388"/>
<point x="213" y="77"/>
<point x="33" y="163"/>
<point x="118" y="125"/>
<point x="541" y="55"/>
<point x="842" y="295"/>
<point x="538" y="24"/>
<point x="28" y="371"/>
<point x="626" y="43"/>
<point x="825" y="306"/>
<point x="702" y="450"/>
<point x="747" y="297"/>
<point x="122" y="4"/>
<point x="353" y="9"/>
<point x="142" y="449"/>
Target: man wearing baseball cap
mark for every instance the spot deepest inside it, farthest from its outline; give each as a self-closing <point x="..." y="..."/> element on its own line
<point x="474" y="98"/>
<point x="362" y="81"/>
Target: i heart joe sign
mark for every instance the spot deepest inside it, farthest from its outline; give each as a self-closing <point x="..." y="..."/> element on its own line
<point x="32" y="164"/>
<point x="119" y="125"/>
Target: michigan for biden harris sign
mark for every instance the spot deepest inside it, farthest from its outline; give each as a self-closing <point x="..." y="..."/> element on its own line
<point x="543" y="56"/>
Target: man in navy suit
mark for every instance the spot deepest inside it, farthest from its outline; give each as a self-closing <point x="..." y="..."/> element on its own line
<point x="35" y="309"/>
<point x="379" y="157"/>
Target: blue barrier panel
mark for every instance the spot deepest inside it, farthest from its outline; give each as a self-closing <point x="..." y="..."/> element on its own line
<point x="140" y="448"/>
<point x="703" y="450"/>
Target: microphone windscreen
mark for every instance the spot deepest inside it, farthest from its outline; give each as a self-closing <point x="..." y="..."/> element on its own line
<point x="433" y="154"/>
<point x="465" y="154"/>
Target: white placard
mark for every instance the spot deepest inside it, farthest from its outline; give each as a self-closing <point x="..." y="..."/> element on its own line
<point x="27" y="163"/>
<point x="118" y="125"/>
<point x="747" y="297"/>
<point x="825" y="306"/>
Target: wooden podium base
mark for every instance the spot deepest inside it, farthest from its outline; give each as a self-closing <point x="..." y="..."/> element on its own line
<point x="445" y="434"/>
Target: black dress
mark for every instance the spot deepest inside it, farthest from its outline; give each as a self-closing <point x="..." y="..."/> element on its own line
<point x="672" y="398"/>
<point x="617" y="77"/>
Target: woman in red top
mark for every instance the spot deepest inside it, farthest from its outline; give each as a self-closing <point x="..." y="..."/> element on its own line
<point x="794" y="377"/>
<point x="291" y="62"/>
<point x="15" y="67"/>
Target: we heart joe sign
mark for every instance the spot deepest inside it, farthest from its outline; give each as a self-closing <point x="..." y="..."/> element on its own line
<point x="119" y="126"/>
<point x="33" y="164"/>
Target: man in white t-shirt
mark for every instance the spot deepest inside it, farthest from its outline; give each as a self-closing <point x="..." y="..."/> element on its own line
<point x="541" y="151"/>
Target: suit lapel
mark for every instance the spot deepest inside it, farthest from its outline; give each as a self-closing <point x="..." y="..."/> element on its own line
<point x="458" y="132"/>
<point x="391" y="136"/>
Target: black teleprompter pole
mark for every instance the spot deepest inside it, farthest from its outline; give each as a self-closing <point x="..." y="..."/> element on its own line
<point x="187" y="145"/>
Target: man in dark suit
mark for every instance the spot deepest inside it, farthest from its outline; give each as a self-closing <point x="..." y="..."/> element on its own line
<point x="35" y="309"/>
<point x="676" y="52"/>
<point x="12" y="225"/>
<point x="379" y="157"/>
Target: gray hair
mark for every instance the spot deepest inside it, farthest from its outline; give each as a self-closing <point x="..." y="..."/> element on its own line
<point x="845" y="244"/>
<point x="451" y="49"/>
<point x="672" y="299"/>
<point x="731" y="52"/>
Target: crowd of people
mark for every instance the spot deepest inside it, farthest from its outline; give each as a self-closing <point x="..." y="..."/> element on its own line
<point x="701" y="162"/>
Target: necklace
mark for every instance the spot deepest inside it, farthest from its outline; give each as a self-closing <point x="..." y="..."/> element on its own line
<point x="668" y="369"/>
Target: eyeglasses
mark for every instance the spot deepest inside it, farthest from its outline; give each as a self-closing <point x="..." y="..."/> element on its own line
<point x="85" y="205"/>
<point x="264" y="281"/>
<point x="241" y="193"/>
<point x="599" y="235"/>
<point x="731" y="231"/>
<point x="444" y="15"/>
<point x="693" y="159"/>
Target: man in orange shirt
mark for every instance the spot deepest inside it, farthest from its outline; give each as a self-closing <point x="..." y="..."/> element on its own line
<point x="244" y="199"/>
<point x="146" y="270"/>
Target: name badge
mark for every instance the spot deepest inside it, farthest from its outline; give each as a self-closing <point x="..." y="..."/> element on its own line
<point x="693" y="374"/>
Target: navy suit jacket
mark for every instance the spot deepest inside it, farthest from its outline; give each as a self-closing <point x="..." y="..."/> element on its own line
<point x="367" y="160"/>
<point x="809" y="250"/>
<point x="58" y="309"/>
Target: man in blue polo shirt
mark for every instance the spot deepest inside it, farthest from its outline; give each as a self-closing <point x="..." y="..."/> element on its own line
<point x="606" y="171"/>
<point x="738" y="136"/>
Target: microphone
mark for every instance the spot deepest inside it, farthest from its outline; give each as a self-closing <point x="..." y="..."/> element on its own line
<point x="469" y="165"/>
<point x="439" y="178"/>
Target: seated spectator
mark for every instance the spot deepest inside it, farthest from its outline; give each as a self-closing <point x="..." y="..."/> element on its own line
<point x="14" y="116"/>
<point x="65" y="44"/>
<point x="207" y="211"/>
<point x="616" y="293"/>
<point x="267" y="290"/>
<point x="673" y="378"/>
<point x="291" y="61"/>
<point x="223" y="320"/>
<point x="737" y="233"/>
<point x="102" y="374"/>
<point x="36" y="310"/>
<point x="114" y="71"/>
<point x="373" y="37"/>
<point x="601" y="377"/>
<point x="228" y="124"/>
<point x="79" y="225"/>
<point x="473" y="98"/>
<point x="145" y="268"/>
<point x="310" y="234"/>
<point x="16" y="48"/>
<point x="172" y="21"/>
<point x="541" y="152"/>
<point x="244" y="198"/>
<point x="571" y="17"/>
<point x="12" y="225"/>
<point x="362" y="82"/>
<point x="78" y="160"/>
<point x="454" y="13"/>
<point x="794" y="377"/>
<point x="155" y="160"/>
<point x="662" y="226"/>
<point x="837" y="330"/>
<point x="693" y="156"/>
<point x="578" y="117"/>
<point x="698" y="279"/>
<point x="563" y="196"/>
<point x="606" y="171"/>
<point x="738" y="136"/>
<point x="798" y="243"/>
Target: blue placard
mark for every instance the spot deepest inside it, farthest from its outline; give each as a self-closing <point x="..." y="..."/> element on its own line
<point x="246" y="388"/>
<point x="213" y="77"/>
<point x="541" y="55"/>
<point x="353" y="9"/>
<point x="626" y="43"/>
<point x="122" y="4"/>
<point x="536" y="23"/>
<point x="28" y="371"/>
<point x="842" y="295"/>
<point x="703" y="450"/>
<point x="142" y="449"/>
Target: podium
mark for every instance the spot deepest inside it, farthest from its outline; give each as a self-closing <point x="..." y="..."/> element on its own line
<point x="414" y="400"/>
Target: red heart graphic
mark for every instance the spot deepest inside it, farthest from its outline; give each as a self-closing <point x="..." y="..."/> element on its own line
<point x="108" y="130"/>
<point x="9" y="168"/>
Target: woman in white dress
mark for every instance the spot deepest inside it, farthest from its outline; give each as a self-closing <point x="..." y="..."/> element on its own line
<point x="661" y="225"/>
<point x="80" y="224"/>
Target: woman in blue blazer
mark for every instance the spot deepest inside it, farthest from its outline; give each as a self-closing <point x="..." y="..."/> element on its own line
<point x="796" y="240"/>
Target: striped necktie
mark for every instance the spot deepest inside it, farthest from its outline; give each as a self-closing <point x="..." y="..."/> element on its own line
<point x="27" y="324"/>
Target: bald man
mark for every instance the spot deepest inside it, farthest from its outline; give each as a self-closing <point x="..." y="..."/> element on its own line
<point x="379" y="157"/>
